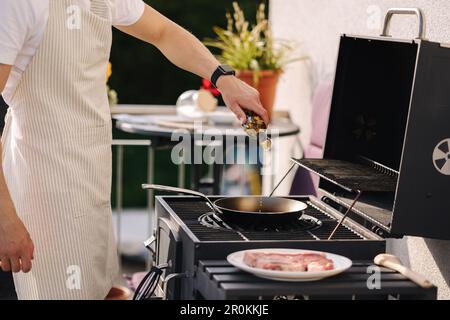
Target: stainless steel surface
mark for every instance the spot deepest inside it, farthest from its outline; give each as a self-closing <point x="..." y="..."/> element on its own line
<point x="352" y="176"/>
<point x="174" y="276"/>
<point x="358" y="228"/>
<point x="278" y="127"/>
<point x="150" y="178"/>
<point x="180" y="190"/>
<point x="260" y="205"/>
<point x="403" y="11"/>
<point x="150" y="245"/>
<point x="140" y="109"/>
<point x="247" y="207"/>
<point x="345" y="215"/>
<point x="383" y="216"/>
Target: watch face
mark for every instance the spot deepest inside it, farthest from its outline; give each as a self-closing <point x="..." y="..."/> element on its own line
<point x="227" y="69"/>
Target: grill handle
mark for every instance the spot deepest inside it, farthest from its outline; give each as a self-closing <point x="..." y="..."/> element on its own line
<point x="181" y="190"/>
<point x="404" y="11"/>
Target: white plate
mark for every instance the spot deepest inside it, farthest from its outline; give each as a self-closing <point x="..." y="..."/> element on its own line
<point x="340" y="265"/>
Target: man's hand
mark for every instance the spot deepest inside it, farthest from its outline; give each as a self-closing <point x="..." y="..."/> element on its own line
<point x="16" y="247"/>
<point x="238" y="95"/>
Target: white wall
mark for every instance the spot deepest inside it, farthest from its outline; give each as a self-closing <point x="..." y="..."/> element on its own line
<point x="317" y="24"/>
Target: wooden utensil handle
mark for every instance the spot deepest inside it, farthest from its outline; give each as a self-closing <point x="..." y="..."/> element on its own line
<point x="410" y="274"/>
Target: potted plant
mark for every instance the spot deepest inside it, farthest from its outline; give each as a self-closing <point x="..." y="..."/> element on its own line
<point x="252" y="52"/>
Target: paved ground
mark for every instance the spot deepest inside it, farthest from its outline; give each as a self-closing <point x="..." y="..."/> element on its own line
<point x="134" y="230"/>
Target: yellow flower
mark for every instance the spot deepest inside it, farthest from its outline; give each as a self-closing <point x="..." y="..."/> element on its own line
<point x="108" y="71"/>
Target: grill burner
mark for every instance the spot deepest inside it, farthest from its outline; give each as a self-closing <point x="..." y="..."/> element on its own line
<point x="193" y="213"/>
<point x="304" y="223"/>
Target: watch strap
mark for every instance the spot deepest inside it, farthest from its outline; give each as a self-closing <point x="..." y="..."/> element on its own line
<point x="222" y="70"/>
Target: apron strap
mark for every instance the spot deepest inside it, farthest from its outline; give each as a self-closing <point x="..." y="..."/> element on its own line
<point x="101" y="9"/>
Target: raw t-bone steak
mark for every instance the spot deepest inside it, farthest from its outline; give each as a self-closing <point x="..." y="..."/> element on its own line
<point x="288" y="261"/>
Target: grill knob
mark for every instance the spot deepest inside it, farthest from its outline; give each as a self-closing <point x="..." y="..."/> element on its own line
<point x="378" y="231"/>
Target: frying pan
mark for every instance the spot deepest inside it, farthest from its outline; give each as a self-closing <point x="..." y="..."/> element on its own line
<point x="248" y="209"/>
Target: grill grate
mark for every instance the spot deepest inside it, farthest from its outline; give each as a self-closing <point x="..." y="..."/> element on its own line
<point x="352" y="176"/>
<point x="190" y="210"/>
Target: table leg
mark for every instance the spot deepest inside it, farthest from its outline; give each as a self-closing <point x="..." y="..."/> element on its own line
<point x="181" y="175"/>
<point x="196" y="169"/>
<point x="150" y="194"/>
<point x="119" y="197"/>
<point x="217" y="177"/>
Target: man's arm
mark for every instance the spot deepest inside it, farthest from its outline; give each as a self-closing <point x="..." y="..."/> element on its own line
<point x="16" y="247"/>
<point x="5" y="70"/>
<point x="187" y="52"/>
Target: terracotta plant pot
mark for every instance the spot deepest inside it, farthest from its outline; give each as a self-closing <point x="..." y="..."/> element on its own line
<point x="118" y="293"/>
<point x="266" y="86"/>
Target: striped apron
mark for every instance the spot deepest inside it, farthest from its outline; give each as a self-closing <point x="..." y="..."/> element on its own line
<point x="57" y="157"/>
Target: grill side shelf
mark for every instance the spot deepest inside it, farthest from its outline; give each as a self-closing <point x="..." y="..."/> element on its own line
<point x="219" y="280"/>
<point x="350" y="176"/>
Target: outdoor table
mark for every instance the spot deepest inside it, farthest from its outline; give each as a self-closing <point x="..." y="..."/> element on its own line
<point x="160" y="136"/>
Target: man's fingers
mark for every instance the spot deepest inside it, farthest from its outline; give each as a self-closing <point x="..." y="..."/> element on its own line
<point x="5" y="264"/>
<point x="26" y="264"/>
<point x="259" y="110"/>
<point x="15" y="264"/>
<point x="236" y="109"/>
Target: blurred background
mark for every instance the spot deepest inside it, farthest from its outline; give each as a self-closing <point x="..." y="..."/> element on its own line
<point x="142" y="75"/>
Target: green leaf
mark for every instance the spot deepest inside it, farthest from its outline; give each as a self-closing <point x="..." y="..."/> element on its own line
<point x="251" y="48"/>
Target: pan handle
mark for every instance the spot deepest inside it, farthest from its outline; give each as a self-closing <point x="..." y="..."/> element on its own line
<point x="181" y="190"/>
<point x="406" y="11"/>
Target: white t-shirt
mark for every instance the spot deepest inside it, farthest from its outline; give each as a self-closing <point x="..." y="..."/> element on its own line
<point x="22" y="26"/>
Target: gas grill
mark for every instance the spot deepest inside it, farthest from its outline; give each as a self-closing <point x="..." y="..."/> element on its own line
<point x="188" y="231"/>
<point x="385" y="173"/>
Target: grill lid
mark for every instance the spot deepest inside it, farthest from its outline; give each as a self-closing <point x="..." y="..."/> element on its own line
<point x="390" y="107"/>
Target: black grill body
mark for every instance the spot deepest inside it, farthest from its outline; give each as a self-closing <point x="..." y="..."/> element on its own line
<point x="388" y="142"/>
<point x="184" y="240"/>
<point x="388" y="135"/>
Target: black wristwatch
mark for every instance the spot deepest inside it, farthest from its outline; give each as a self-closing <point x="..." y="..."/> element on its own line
<point x="222" y="70"/>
